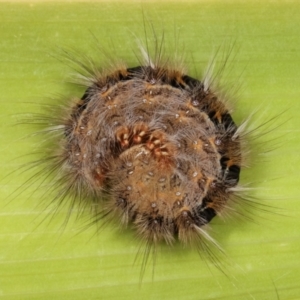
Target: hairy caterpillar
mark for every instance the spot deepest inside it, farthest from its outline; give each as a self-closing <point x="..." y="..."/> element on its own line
<point x="149" y="146"/>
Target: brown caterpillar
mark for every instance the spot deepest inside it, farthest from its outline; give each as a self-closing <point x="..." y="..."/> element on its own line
<point x="149" y="146"/>
<point x="161" y="146"/>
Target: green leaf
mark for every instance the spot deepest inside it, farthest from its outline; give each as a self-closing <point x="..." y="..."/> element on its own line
<point x="45" y="260"/>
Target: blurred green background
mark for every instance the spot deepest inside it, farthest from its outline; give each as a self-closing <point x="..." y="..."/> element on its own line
<point x="45" y="260"/>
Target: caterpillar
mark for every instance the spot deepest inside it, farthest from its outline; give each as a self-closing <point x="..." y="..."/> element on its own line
<point x="148" y="146"/>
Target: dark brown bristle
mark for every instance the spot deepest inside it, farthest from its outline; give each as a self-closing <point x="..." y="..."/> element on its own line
<point x="161" y="146"/>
